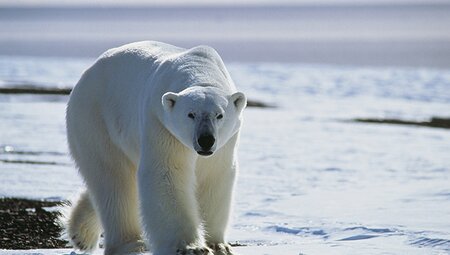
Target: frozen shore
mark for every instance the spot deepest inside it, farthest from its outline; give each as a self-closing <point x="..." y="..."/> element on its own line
<point x="309" y="182"/>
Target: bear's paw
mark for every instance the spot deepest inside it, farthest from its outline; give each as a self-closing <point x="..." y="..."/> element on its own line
<point x="86" y="242"/>
<point x="135" y="247"/>
<point x="221" y="248"/>
<point x="195" y="250"/>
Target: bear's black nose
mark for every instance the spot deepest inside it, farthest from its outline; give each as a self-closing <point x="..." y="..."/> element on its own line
<point x="206" y="141"/>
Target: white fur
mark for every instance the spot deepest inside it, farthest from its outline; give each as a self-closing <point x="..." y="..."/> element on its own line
<point x="133" y="123"/>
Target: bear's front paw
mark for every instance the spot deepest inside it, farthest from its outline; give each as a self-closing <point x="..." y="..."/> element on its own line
<point x="221" y="248"/>
<point x="131" y="247"/>
<point x="85" y="242"/>
<point x="194" y="250"/>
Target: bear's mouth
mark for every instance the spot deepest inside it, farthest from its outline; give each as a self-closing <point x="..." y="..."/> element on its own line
<point x="204" y="153"/>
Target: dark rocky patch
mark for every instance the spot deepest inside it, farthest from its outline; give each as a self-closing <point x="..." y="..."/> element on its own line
<point x="26" y="224"/>
<point x="237" y="244"/>
<point x="435" y="122"/>
<point x="254" y="103"/>
<point x="31" y="162"/>
<point x="36" y="90"/>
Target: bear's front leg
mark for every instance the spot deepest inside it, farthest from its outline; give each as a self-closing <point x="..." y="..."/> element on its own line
<point x="168" y="204"/>
<point x="216" y="177"/>
<point x="215" y="195"/>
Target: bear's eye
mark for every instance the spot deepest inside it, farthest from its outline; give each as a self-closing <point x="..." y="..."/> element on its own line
<point x="220" y="116"/>
<point x="191" y="115"/>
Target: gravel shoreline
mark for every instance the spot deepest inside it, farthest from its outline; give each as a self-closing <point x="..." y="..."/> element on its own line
<point x="30" y="224"/>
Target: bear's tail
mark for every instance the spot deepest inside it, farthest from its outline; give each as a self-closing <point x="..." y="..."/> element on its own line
<point x="83" y="226"/>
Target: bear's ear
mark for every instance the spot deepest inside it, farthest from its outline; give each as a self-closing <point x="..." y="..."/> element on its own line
<point x="239" y="100"/>
<point x="168" y="100"/>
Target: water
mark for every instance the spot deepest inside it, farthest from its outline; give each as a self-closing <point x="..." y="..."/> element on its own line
<point x="311" y="182"/>
<point x="338" y="32"/>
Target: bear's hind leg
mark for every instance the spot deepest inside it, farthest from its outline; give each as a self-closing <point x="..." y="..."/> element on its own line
<point x="110" y="177"/>
<point x="84" y="225"/>
<point x="113" y="189"/>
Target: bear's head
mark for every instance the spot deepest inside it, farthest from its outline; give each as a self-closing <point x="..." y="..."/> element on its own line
<point x="203" y="118"/>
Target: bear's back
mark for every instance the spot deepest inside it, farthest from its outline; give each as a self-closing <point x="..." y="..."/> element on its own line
<point x="142" y="50"/>
<point x="125" y="68"/>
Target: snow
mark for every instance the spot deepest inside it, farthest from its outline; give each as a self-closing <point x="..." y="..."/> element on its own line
<point x="311" y="181"/>
<point x="256" y="250"/>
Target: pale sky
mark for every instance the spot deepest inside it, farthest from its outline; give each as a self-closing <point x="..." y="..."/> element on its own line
<point x="202" y="2"/>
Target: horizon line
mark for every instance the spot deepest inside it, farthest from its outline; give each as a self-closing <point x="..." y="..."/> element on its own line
<point x="218" y="4"/>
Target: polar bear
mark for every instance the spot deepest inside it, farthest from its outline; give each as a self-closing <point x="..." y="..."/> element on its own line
<point x="153" y="130"/>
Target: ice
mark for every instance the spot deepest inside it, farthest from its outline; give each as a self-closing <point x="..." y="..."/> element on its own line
<point x="311" y="181"/>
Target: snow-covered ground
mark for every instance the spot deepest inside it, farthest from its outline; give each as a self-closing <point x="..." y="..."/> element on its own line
<point x="311" y="182"/>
